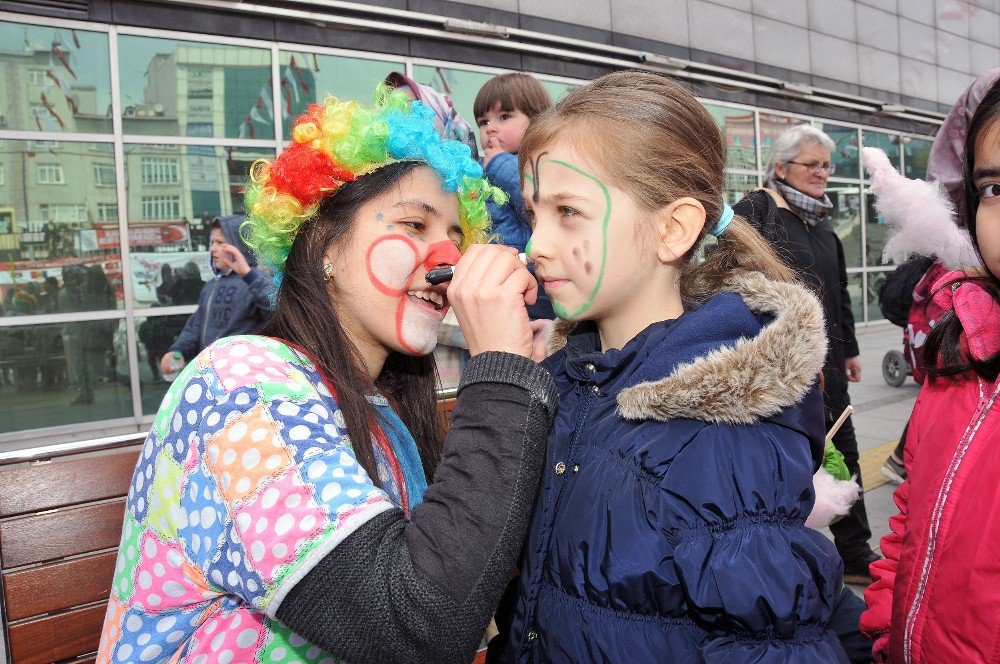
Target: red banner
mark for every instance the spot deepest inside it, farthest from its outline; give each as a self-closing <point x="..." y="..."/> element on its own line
<point x="146" y="236"/>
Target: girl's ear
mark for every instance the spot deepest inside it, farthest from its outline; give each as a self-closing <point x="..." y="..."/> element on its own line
<point x="679" y="226"/>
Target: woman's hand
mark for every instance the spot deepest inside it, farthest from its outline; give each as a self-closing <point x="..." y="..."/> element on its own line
<point x="852" y="367"/>
<point x="489" y="291"/>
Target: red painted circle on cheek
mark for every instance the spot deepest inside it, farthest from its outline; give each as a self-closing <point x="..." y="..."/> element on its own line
<point x="414" y="260"/>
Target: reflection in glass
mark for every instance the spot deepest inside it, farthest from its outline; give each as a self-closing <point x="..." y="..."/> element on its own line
<point x="875" y="232"/>
<point x="917" y="154"/>
<point x="888" y="143"/>
<point x="184" y="88"/>
<point x="63" y="373"/>
<point x="54" y="79"/>
<point x="846" y="219"/>
<point x="772" y="126"/>
<point x="738" y="185"/>
<point x="461" y="86"/>
<point x="855" y="288"/>
<point x="308" y="78"/>
<point x="558" y="90"/>
<point x="845" y="154"/>
<point x="737" y="128"/>
<point x="875" y="281"/>
<point x="156" y="334"/>
<point x="174" y="194"/>
<point x="58" y="213"/>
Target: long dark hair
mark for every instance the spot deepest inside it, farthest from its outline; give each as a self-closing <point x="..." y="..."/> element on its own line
<point x="306" y="316"/>
<point x="943" y="353"/>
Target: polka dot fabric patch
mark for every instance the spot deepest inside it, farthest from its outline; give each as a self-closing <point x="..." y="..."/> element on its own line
<point x="278" y="522"/>
<point x="245" y="453"/>
<point x="246" y="481"/>
<point x="228" y="637"/>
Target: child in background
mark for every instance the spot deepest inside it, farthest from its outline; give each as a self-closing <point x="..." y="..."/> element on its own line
<point x="670" y="524"/>
<point x="503" y="108"/>
<point x="935" y="596"/>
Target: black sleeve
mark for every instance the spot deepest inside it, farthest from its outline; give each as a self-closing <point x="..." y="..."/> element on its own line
<point x="851" y="348"/>
<point x="424" y="590"/>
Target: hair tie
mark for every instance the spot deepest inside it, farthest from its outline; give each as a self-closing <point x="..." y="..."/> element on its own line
<point x="724" y="219"/>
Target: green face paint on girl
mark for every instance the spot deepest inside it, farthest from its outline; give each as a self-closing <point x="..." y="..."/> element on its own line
<point x="584" y="236"/>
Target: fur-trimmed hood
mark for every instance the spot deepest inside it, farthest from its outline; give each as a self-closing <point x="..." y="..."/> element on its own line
<point x="739" y="358"/>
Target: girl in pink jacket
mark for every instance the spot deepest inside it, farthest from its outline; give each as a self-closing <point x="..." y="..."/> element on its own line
<point x="936" y="595"/>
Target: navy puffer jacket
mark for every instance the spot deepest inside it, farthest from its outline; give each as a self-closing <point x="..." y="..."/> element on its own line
<point x="670" y="522"/>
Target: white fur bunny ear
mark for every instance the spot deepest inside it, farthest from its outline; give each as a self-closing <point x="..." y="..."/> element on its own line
<point x="920" y="216"/>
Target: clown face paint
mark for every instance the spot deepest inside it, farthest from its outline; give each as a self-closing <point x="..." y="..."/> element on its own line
<point x="378" y="285"/>
<point x="591" y="260"/>
<point x="393" y="262"/>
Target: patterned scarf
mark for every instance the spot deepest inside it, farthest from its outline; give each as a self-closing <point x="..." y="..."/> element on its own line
<point x="811" y="209"/>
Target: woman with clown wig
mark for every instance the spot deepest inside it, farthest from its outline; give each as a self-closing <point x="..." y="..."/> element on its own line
<point x="293" y="500"/>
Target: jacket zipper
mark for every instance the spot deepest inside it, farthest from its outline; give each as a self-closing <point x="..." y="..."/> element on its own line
<point x="932" y="533"/>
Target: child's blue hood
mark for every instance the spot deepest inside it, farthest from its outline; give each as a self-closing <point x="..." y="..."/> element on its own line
<point x="230" y="226"/>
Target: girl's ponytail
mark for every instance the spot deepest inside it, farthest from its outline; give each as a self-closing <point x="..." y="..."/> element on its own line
<point x="738" y="250"/>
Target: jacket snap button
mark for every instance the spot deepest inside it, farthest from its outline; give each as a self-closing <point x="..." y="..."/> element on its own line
<point x="595" y="390"/>
<point x="576" y="468"/>
<point x="560" y="468"/>
<point x="590" y="368"/>
<point x="532" y="635"/>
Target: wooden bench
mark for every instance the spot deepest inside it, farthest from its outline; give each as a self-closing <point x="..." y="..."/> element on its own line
<point x="60" y="523"/>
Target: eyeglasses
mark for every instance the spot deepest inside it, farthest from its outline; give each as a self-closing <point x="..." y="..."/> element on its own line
<point x="816" y="168"/>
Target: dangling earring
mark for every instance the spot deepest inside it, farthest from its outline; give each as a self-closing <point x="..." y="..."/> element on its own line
<point x="327" y="271"/>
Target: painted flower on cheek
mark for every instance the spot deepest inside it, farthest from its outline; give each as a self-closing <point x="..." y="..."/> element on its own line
<point x="392" y="263"/>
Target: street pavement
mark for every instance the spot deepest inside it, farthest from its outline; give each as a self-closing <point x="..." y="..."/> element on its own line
<point x="880" y="412"/>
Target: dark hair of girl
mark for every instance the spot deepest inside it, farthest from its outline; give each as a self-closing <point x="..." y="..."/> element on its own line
<point x="943" y="353"/>
<point x="305" y="315"/>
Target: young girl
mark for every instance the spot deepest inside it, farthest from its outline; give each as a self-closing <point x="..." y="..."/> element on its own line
<point x="935" y="597"/>
<point x="670" y="522"/>
<point x="280" y="510"/>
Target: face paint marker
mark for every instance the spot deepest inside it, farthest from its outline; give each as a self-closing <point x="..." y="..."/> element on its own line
<point x="439" y="275"/>
<point x="379" y="216"/>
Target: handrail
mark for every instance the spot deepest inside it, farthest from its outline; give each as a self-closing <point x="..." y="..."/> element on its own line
<point x="110" y="442"/>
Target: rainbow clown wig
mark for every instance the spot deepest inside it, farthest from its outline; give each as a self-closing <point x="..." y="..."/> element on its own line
<point x="339" y="141"/>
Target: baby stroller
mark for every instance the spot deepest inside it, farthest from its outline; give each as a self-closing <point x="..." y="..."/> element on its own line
<point x="905" y="300"/>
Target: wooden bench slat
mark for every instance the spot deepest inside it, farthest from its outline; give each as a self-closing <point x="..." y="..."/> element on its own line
<point x="68" y="532"/>
<point x="59" y="586"/>
<point x="445" y="409"/>
<point x="44" y="486"/>
<point x="57" y="637"/>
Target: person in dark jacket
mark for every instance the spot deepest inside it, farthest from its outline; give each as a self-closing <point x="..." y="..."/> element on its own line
<point x="237" y="301"/>
<point x="670" y="524"/>
<point x="293" y="500"/>
<point x="792" y="213"/>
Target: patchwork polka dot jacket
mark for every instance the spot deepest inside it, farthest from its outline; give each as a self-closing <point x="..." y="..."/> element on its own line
<point x="245" y="486"/>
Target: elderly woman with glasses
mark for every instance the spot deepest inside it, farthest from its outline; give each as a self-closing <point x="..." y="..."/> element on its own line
<point x="792" y="211"/>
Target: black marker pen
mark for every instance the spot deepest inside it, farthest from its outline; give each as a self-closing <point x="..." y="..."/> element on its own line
<point x="439" y="275"/>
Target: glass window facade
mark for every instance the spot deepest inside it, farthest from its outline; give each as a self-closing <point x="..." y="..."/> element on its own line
<point x="98" y="228"/>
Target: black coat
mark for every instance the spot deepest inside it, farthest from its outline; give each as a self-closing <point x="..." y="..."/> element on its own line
<point x="816" y="254"/>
